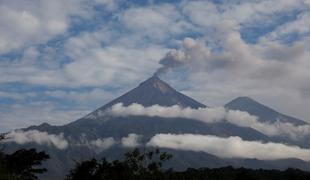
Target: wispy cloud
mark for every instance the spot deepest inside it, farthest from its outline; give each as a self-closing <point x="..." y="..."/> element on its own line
<point x="24" y="115"/>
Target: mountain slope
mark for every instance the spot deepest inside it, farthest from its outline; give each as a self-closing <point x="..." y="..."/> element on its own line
<point x="264" y="113"/>
<point x="155" y="91"/>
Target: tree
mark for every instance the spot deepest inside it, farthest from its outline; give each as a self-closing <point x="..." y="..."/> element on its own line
<point x="2" y="165"/>
<point x="136" y="165"/>
<point x="22" y="164"/>
<point x="139" y="165"/>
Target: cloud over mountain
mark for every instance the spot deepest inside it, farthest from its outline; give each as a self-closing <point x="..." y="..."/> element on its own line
<point x="212" y="115"/>
<point x="35" y="136"/>
<point x="132" y="140"/>
<point x="102" y="144"/>
<point x="231" y="147"/>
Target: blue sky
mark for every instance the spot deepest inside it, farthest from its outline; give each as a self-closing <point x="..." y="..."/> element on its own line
<point x="61" y="59"/>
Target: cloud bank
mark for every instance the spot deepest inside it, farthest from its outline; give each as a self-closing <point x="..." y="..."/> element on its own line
<point x="60" y="142"/>
<point x="34" y="136"/>
<point x="212" y="115"/>
<point x="231" y="147"/>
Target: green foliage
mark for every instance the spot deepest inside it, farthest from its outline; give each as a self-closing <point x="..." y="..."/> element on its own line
<point x="139" y="165"/>
<point x="136" y="165"/>
<point x="230" y="173"/>
<point x="22" y="164"/>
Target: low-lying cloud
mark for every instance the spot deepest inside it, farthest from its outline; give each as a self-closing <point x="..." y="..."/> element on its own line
<point x="34" y="136"/>
<point x="98" y="145"/>
<point x="132" y="140"/>
<point x="231" y="147"/>
<point x="102" y="144"/>
<point x="60" y="142"/>
<point x="213" y="115"/>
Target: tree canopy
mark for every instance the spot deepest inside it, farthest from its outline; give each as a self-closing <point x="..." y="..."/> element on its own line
<point x="22" y="164"/>
<point x="139" y="165"/>
<point x="136" y="165"/>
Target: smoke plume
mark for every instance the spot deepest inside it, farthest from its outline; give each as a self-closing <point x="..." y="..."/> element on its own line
<point x="190" y="51"/>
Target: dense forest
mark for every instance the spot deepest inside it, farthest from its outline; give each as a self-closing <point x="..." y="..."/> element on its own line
<point x="136" y="165"/>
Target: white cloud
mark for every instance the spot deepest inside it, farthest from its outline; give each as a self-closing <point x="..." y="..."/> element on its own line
<point x="34" y="136"/>
<point x="94" y="67"/>
<point x="11" y="95"/>
<point x="201" y="13"/>
<point x="206" y="14"/>
<point x="103" y="66"/>
<point x="102" y="144"/>
<point x="110" y="5"/>
<point x="155" y="22"/>
<point x="44" y="138"/>
<point x="300" y="26"/>
<point x="33" y="22"/>
<point x="132" y="140"/>
<point x="231" y="147"/>
<point x="23" y="115"/>
<point x="95" y="96"/>
<point x="212" y="115"/>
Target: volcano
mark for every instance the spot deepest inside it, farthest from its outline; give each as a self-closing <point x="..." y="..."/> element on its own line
<point x="154" y="91"/>
<point x="264" y="113"/>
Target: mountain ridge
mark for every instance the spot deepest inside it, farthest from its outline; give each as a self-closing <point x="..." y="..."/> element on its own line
<point x="264" y="113"/>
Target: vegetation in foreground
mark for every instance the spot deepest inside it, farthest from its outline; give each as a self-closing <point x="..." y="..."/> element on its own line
<point x="147" y="165"/>
<point x="22" y="164"/>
